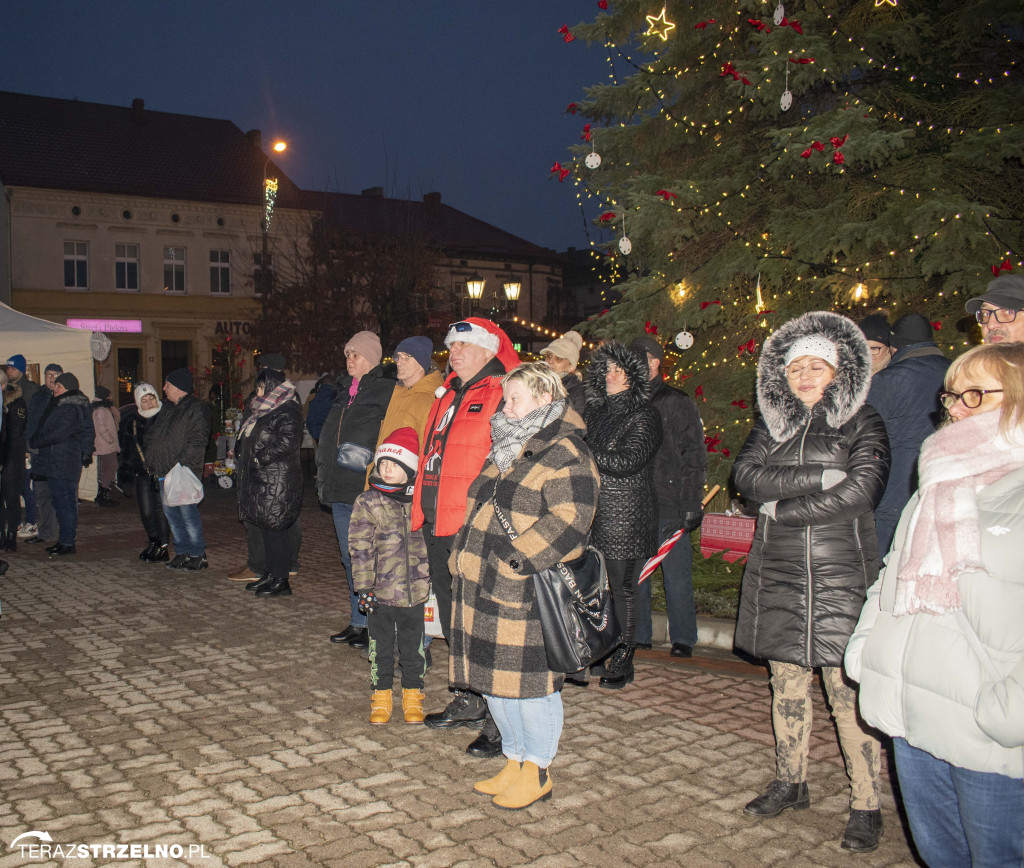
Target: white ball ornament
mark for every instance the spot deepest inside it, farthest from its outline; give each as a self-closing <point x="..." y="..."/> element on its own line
<point x="592" y="160"/>
<point x="786" y="101"/>
<point x="780" y="13"/>
<point x="625" y="245"/>
<point x="684" y="340"/>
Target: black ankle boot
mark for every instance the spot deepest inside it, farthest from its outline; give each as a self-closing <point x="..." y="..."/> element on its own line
<point x="147" y="553"/>
<point x="863" y="831"/>
<point x="275" y="588"/>
<point x="259" y="583"/>
<point x="778" y="797"/>
<point x="618" y="670"/>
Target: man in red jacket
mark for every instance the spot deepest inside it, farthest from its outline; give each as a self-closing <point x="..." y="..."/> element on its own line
<point x="456" y="443"/>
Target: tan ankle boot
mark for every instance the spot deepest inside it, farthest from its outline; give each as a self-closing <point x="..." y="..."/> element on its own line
<point x="380" y="707"/>
<point x="501" y="781"/>
<point x="412" y="705"/>
<point x="531" y="785"/>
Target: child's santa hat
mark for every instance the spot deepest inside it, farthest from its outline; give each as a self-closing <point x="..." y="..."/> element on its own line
<point x="403" y="447"/>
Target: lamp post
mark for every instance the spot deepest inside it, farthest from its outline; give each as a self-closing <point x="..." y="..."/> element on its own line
<point x="269" y="196"/>
<point x="475" y="289"/>
<point x="512" y="289"/>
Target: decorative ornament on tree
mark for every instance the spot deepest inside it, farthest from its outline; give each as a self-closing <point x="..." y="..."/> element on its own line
<point x="625" y="245"/>
<point x="786" y="99"/>
<point x="780" y="13"/>
<point x="684" y="340"/>
<point x="593" y="159"/>
<point x="659" y="25"/>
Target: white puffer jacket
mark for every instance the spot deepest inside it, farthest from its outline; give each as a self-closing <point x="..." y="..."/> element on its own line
<point x="920" y="676"/>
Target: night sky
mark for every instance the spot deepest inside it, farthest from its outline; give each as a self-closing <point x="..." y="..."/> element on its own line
<point x="463" y="97"/>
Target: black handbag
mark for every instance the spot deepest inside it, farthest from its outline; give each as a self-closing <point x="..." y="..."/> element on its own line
<point x="577" y="618"/>
<point x="352" y="456"/>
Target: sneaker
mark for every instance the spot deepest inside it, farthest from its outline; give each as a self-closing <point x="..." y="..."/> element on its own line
<point x="177" y="562"/>
<point x="195" y="564"/>
<point x="26" y="530"/>
<point x="465" y="709"/>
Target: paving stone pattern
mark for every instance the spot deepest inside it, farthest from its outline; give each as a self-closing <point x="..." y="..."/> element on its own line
<point x="144" y="706"/>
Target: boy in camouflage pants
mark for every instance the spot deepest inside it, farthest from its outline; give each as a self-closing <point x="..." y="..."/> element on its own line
<point x="391" y="575"/>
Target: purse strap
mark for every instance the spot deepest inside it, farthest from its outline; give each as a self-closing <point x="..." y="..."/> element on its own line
<point x="564" y="573"/>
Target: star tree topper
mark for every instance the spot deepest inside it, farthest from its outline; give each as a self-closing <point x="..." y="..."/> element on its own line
<point x="659" y="25"/>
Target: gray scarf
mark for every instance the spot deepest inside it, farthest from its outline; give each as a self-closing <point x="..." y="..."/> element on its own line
<point x="509" y="435"/>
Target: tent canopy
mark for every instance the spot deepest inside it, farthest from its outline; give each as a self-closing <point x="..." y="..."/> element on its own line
<point x="42" y="342"/>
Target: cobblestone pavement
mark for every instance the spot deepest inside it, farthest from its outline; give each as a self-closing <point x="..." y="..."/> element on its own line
<point x="140" y="706"/>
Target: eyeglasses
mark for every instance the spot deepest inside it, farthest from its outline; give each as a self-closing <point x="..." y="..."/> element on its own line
<point x="971" y="397"/>
<point x="877" y="351"/>
<point x="461" y="326"/>
<point x="813" y="370"/>
<point x="402" y="357"/>
<point x="1002" y="315"/>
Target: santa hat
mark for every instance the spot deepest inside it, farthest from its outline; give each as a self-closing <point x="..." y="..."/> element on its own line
<point x="403" y="447"/>
<point x="486" y="334"/>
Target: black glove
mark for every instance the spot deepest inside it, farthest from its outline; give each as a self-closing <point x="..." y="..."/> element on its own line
<point x="692" y="520"/>
<point x="367" y="602"/>
<point x="87" y="461"/>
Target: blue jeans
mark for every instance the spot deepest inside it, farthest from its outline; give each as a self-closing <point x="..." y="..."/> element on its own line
<point x="186" y="527"/>
<point x="530" y="728"/>
<point x="677" y="571"/>
<point x="64" y="496"/>
<point x="342" y="513"/>
<point x="960" y="817"/>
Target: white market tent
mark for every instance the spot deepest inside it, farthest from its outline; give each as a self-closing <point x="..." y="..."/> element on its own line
<point x="42" y="342"/>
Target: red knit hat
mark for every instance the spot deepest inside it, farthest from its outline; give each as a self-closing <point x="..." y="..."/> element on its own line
<point x="403" y="447"/>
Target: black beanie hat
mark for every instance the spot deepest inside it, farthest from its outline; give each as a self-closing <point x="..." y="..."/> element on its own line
<point x="180" y="378"/>
<point x="914" y="328"/>
<point x="69" y="381"/>
<point x="876" y="328"/>
<point x="102" y="392"/>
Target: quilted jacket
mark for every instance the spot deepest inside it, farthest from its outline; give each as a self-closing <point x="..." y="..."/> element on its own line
<point x="549" y="495"/>
<point x="811" y="565"/>
<point x="269" y="475"/>
<point x="179" y="435"/>
<point x="624" y="434"/>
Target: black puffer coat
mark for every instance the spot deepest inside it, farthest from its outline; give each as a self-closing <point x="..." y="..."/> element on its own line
<point x="811" y="565"/>
<point x="623" y="433"/>
<point x="357" y="423"/>
<point x="269" y="470"/>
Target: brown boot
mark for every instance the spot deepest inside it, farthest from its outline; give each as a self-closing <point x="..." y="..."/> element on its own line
<point x="380" y="707"/>
<point x="242" y="574"/>
<point x="501" y="781"/>
<point x="533" y="784"/>
<point x="412" y="705"/>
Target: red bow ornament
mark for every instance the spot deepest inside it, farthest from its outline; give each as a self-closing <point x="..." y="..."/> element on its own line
<point x="699" y="393"/>
<point x="602" y="4"/>
<point x="838" y="158"/>
<point x="700" y="25"/>
<point x="785" y="22"/>
<point x="650" y="329"/>
<point x="572" y="108"/>
<point x="586" y="133"/>
<point x="741" y="404"/>
<point x="566" y="35"/>
<point x="815" y="146"/>
<point x="1005" y="265"/>
<point x="705" y="304"/>
<point x="801" y="60"/>
<point x="839" y="142"/>
<point x="749" y="347"/>
<point x="760" y="25"/>
<point x="937" y="325"/>
<point x="608" y="216"/>
<point x="726" y="452"/>
<point x="666" y="195"/>
<point x="562" y="171"/>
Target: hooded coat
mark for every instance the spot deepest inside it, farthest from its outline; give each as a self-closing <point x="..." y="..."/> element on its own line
<point x="624" y="434"/>
<point x="811" y="565"/>
<point x="63" y="438"/>
<point x="548" y="494"/>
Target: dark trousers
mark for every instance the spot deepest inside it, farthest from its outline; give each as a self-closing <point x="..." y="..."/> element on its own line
<point x="439" y="548"/>
<point x="46" y="517"/>
<point x="64" y="495"/>
<point x="12" y="481"/>
<point x="277" y="547"/>
<point x="622" y="581"/>
<point x="256" y="557"/>
<point x="382" y="624"/>
<point x="151" y="510"/>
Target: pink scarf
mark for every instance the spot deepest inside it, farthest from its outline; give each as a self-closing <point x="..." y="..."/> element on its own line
<point x="271" y="401"/>
<point x="944" y="539"/>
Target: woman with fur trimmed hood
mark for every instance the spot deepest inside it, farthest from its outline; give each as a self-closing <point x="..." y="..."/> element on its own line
<point x="623" y="433"/>
<point x="817" y="460"/>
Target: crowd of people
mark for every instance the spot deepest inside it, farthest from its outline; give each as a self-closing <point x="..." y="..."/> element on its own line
<point x="884" y="552"/>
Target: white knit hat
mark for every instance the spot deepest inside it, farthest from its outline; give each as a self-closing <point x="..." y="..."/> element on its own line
<point x="813" y="345"/>
<point x="568" y="346"/>
<point x="474" y="334"/>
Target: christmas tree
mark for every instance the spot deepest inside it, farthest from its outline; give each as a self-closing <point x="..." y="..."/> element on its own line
<point x="757" y="162"/>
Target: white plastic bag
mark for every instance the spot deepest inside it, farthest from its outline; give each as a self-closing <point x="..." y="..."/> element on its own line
<point x="181" y="487"/>
<point x="432" y="617"/>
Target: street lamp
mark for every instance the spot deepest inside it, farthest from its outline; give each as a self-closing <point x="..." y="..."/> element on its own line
<point x="475" y="289"/>
<point x="512" y="289"/>
<point x="269" y="197"/>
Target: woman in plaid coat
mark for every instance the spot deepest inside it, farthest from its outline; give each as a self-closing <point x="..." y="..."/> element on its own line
<point x="541" y="477"/>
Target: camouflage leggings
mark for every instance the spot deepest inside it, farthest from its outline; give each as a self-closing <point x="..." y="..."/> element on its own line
<point x="791" y="718"/>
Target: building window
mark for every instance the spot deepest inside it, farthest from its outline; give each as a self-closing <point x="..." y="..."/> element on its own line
<point x="263" y="272"/>
<point x="174" y="269"/>
<point x="220" y="271"/>
<point x="76" y="264"/>
<point x="126" y="267"/>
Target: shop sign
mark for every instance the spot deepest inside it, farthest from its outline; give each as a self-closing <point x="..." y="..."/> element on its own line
<point x="233" y="327"/>
<point x="124" y="326"/>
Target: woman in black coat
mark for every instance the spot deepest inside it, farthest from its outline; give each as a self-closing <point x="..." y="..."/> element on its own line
<point x="135" y="468"/>
<point x="12" y="456"/>
<point x="817" y="460"/>
<point x="270" y="475"/>
<point x="623" y="433"/>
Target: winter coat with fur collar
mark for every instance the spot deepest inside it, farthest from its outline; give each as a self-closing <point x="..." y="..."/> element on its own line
<point x="624" y="434"/>
<point x="811" y="565"/>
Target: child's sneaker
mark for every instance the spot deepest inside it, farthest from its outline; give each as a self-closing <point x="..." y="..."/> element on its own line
<point x="380" y="707"/>
<point x="412" y="705"/>
<point x="26" y="530"/>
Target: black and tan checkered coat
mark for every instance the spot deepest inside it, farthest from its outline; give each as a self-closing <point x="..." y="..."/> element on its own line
<point x="549" y="495"/>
